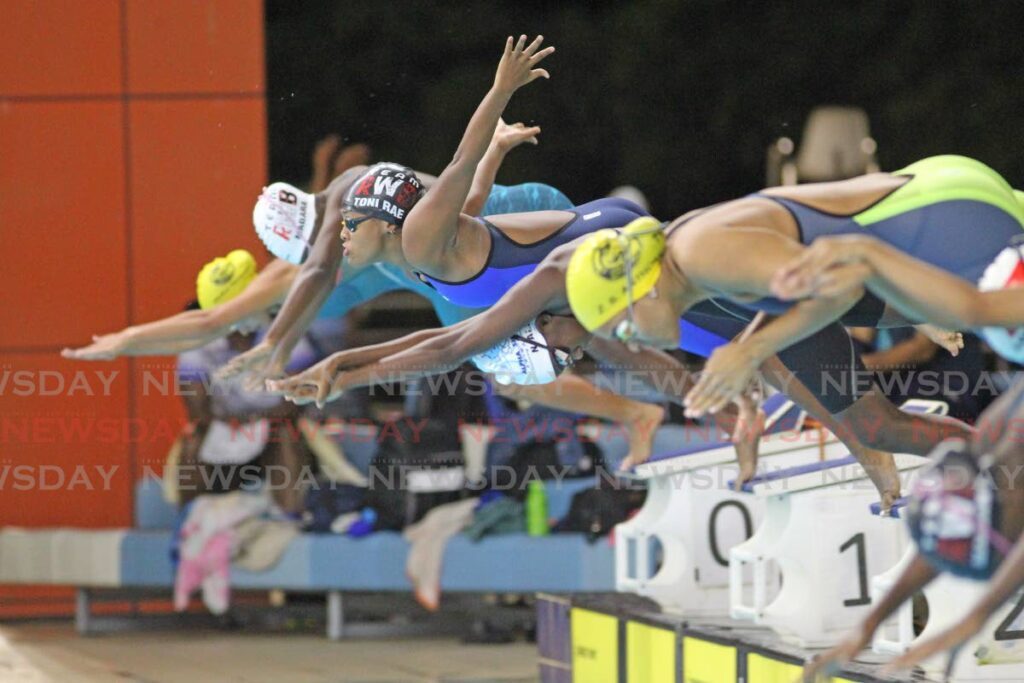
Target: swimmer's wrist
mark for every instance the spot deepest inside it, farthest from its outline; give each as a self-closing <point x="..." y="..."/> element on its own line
<point x="863" y="249"/>
<point x="502" y="92"/>
<point x="759" y="349"/>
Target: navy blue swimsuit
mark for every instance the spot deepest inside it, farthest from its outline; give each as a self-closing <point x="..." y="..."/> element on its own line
<point x="959" y="236"/>
<point x="508" y="261"/>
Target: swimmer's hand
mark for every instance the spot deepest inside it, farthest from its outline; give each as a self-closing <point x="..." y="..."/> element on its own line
<point x="251" y="361"/>
<point x="508" y="137"/>
<point x="311" y="385"/>
<point x="726" y="374"/>
<point x="829" y="662"/>
<point x="829" y="267"/>
<point x="258" y="377"/>
<point x="951" y="638"/>
<point x="103" y="347"/>
<point x="953" y="342"/>
<point x="516" y="67"/>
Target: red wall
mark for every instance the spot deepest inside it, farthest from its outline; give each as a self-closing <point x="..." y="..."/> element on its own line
<point x="133" y="142"/>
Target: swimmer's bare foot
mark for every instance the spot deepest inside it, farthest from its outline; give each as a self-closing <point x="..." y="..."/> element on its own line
<point x="746" y="456"/>
<point x="640" y="426"/>
<point x="881" y="468"/>
<point x="746" y="437"/>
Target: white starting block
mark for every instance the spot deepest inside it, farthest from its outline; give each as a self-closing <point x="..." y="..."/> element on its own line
<point x="693" y="516"/>
<point x="996" y="654"/>
<point x="818" y="532"/>
<point x="826" y="551"/>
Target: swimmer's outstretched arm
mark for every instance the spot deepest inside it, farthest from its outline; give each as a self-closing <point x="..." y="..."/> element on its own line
<point x="917" y="289"/>
<point x="916" y="576"/>
<point x="192" y="329"/>
<point x="315" y="382"/>
<point x="444" y="352"/>
<point x="433" y="225"/>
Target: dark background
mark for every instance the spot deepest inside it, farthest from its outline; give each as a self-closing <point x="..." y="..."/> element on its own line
<point x="678" y="98"/>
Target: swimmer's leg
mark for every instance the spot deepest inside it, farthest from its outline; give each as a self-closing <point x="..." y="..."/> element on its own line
<point x="576" y="395"/>
<point x="880" y="424"/>
<point x="878" y="464"/>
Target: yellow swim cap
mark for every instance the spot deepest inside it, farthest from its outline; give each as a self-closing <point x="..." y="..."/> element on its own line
<point x="596" y="281"/>
<point x="224" y="278"/>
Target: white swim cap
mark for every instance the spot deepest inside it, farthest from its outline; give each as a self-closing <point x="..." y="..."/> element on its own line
<point x="1006" y="271"/>
<point x="284" y="219"/>
<point x="523" y="358"/>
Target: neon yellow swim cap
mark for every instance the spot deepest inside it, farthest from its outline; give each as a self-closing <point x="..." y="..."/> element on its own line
<point x="224" y="278"/>
<point x="596" y="281"/>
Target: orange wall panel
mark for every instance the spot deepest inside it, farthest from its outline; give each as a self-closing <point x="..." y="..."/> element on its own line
<point x="65" y="438"/>
<point x="197" y="168"/>
<point x="181" y="83"/>
<point x="195" y="46"/>
<point x="60" y="47"/>
<point x="62" y="210"/>
<point x="160" y="406"/>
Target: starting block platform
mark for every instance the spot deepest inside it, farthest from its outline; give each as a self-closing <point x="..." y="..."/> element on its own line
<point x="617" y="638"/>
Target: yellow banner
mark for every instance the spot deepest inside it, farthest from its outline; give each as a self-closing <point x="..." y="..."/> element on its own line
<point x="650" y="654"/>
<point x="706" y="662"/>
<point x="761" y="669"/>
<point x="595" y="647"/>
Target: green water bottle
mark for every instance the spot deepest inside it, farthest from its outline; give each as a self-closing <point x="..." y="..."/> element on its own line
<point x="536" y="509"/>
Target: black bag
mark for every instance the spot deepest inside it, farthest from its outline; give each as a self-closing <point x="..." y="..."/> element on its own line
<point x="327" y="501"/>
<point x="541" y="460"/>
<point x="596" y="511"/>
<point x="425" y="457"/>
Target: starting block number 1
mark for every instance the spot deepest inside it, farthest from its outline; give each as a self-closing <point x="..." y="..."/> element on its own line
<point x="857" y="541"/>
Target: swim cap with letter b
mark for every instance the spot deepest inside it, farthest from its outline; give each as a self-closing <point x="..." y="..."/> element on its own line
<point x="224" y="278"/>
<point x="285" y="218"/>
<point x="597" y="280"/>
<point x="386" y="191"/>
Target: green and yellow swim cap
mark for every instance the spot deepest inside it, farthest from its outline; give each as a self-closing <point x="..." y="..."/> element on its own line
<point x="224" y="278"/>
<point x="603" y="277"/>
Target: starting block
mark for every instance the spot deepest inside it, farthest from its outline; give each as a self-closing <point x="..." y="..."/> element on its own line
<point x="817" y="534"/>
<point x="675" y="550"/>
<point x="996" y="654"/>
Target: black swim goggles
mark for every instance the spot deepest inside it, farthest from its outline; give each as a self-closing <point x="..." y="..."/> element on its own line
<point x="352" y="224"/>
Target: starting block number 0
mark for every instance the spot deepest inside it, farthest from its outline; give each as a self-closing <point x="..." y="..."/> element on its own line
<point x="748" y="527"/>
